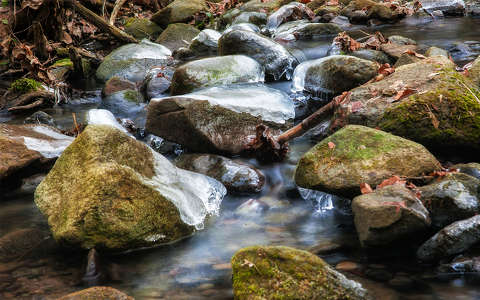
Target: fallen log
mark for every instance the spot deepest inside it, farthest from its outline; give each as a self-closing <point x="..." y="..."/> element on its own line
<point x="33" y="100"/>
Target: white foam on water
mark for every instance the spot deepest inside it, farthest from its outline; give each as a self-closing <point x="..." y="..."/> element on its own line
<point x="49" y="148"/>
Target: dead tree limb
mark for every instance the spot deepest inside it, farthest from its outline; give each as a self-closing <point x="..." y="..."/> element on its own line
<point x="33" y="100"/>
<point x="116" y="9"/>
<point x="102" y="24"/>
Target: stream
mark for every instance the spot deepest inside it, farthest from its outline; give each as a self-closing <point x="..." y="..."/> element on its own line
<point x="198" y="267"/>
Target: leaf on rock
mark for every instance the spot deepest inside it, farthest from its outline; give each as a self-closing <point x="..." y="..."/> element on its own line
<point x="390" y="181"/>
<point x="365" y="188"/>
<point x="404" y="93"/>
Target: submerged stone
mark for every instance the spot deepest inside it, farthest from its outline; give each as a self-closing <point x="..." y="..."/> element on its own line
<point x="276" y="60"/>
<point x="132" y="61"/>
<point x="213" y="71"/>
<point x="278" y="272"/>
<point x="355" y="155"/>
<point x="109" y="191"/>
<point x="124" y="104"/>
<point x="219" y="119"/>
<point x="157" y="81"/>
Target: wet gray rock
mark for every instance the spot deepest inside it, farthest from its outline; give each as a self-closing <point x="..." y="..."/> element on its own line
<point x="40" y="117"/>
<point x="290" y="12"/>
<point x="373" y="55"/>
<point x="405" y="59"/>
<point x="435" y="51"/>
<point x="157" y="81"/>
<point x="206" y="42"/>
<point x="360" y="11"/>
<point x="179" y="11"/>
<point x="461" y="265"/>
<point x="276" y="60"/>
<point x="132" y="61"/>
<point x="401" y="40"/>
<point x="463" y="51"/>
<point x="236" y="177"/>
<point x="253" y="17"/>
<point x="243" y="26"/>
<point x="124" y="104"/>
<point x="333" y="75"/>
<point x="452" y="198"/>
<point x="388" y="215"/>
<point x="472" y="169"/>
<point x="302" y="30"/>
<point x="163" y="146"/>
<point x="448" y="7"/>
<point x="177" y="35"/>
<point x="142" y="28"/>
<point x="213" y="71"/>
<point x="117" y="84"/>
<point x="453" y="239"/>
<point x="219" y="119"/>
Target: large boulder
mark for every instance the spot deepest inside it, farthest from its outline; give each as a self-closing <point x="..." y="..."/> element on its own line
<point x="360" y="11"/>
<point x="453" y="239"/>
<point x="179" y="11"/>
<point x="289" y="12"/>
<point x="206" y="42"/>
<point x="355" y="155"/>
<point x="97" y="293"/>
<point x="213" y="71"/>
<point x="219" y="119"/>
<point x="277" y="272"/>
<point x="237" y="177"/>
<point x="276" y="60"/>
<point x="452" y="198"/>
<point x="301" y="30"/>
<point x="177" y="35"/>
<point x="448" y="7"/>
<point x="142" y="28"/>
<point x="109" y="191"/>
<point x="333" y="75"/>
<point x="427" y="102"/>
<point x="26" y="150"/>
<point x="132" y="61"/>
<point x="389" y="215"/>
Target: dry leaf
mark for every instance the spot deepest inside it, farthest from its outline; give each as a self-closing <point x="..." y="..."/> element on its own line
<point x="390" y="181"/>
<point x="397" y="205"/>
<point x="404" y="93"/>
<point x="411" y="52"/>
<point x="365" y="188"/>
<point x="331" y="145"/>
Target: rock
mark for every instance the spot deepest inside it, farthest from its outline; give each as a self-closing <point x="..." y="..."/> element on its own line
<point x="277" y="272"/>
<point x="116" y="84"/>
<point x="301" y="30"/>
<point x="157" y="81"/>
<point x="110" y="192"/>
<point x="163" y="146"/>
<point x="124" y="104"/>
<point x="206" y="42"/>
<point x="289" y="12"/>
<point x="26" y="150"/>
<point x="372" y="55"/>
<point x="179" y="11"/>
<point x="401" y="40"/>
<point x="360" y="155"/>
<point x="374" y="10"/>
<point x="213" y="71"/>
<point x="236" y="177"/>
<point x="219" y="119"/>
<point x="40" y="117"/>
<point x="461" y="265"/>
<point x="243" y="26"/>
<point x="388" y="216"/>
<point x="472" y="169"/>
<point x="261" y="6"/>
<point x="253" y="17"/>
<point x="453" y="239"/>
<point x="332" y="75"/>
<point x="405" y="59"/>
<point x="396" y="50"/>
<point x="276" y="60"/>
<point x="464" y="51"/>
<point x="132" y="61"/>
<point x="142" y="28"/>
<point x="435" y="51"/>
<point x="18" y="243"/>
<point x="452" y="198"/>
<point x="434" y="83"/>
<point x="103" y="117"/>
<point x="177" y="36"/>
<point x="448" y="7"/>
<point x="97" y="293"/>
<point x="474" y="72"/>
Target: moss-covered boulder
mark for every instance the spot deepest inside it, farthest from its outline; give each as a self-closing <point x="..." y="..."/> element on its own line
<point x="219" y="119"/>
<point x="179" y="11"/>
<point x="277" y="272"/>
<point x="213" y="71"/>
<point x="177" y="35"/>
<point x="389" y="216"/>
<point x="26" y="150"/>
<point x="333" y="75"/>
<point x="237" y="177"/>
<point x="276" y="59"/>
<point x="427" y="102"/>
<point x="97" y="293"/>
<point x="142" y="28"/>
<point x="109" y="191"/>
<point x="132" y="61"/>
<point x="357" y="154"/>
<point x="474" y="72"/>
<point x="452" y="198"/>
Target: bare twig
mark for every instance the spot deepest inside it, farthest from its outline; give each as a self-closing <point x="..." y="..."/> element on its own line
<point x="116" y="9"/>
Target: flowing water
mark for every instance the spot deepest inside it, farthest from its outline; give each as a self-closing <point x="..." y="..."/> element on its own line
<point x="198" y="267"/>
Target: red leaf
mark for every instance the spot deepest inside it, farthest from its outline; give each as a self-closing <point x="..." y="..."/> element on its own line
<point x="331" y="145"/>
<point x="365" y="188"/>
<point x="397" y="205"/>
<point x="392" y="180"/>
<point x="404" y="93"/>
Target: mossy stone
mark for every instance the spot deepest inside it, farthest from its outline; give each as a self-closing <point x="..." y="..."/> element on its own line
<point x="179" y="11"/>
<point x="142" y="28"/>
<point x="25" y="85"/>
<point x="278" y="272"/>
<point x="177" y="35"/>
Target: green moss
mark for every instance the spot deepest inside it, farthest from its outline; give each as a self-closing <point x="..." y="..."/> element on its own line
<point x="131" y="95"/>
<point x="447" y="116"/>
<point x="25" y="85"/>
<point x="65" y="62"/>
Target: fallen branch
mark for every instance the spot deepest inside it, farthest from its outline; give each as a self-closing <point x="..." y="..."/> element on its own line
<point x="102" y="24"/>
<point x="116" y="9"/>
<point x="33" y="100"/>
<point x="266" y="147"/>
